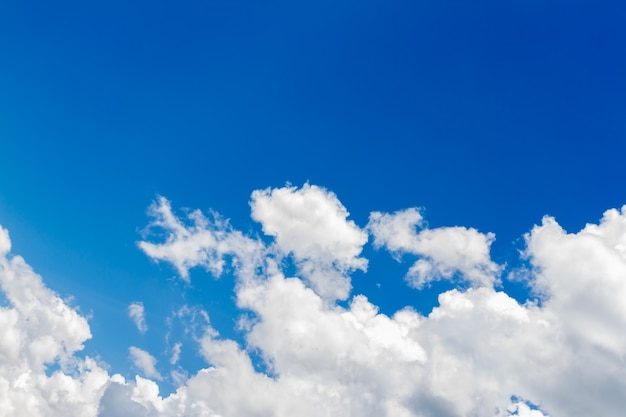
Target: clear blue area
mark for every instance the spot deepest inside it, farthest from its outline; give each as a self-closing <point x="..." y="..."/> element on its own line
<point x="487" y="114"/>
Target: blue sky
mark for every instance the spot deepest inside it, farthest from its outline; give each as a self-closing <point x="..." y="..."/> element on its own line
<point x="485" y="115"/>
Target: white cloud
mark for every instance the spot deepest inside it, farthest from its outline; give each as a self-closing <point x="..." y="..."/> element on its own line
<point x="444" y="251"/>
<point x="475" y="352"/>
<point x="582" y="276"/>
<point x="311" y="224"/>
<point x="130" y="399"/>
<point x="136" y="313"/>
<point x="478" y="353"/>
<point x="175" y="353"/>
<point x="39" y="329"/>
<point x="145" y="362"/>
<point x="395" y="231"/>
<point x="521" y="409"/>
<point x="201" y="241"/>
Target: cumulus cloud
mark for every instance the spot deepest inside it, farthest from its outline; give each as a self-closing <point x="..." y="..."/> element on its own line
<point x="479" y="352"/>
<point x="136" y="313"/>
<point x="39" y="329"/>
<point x="311" y="224"/>
<point x="145" y="362"/>
<point x="578" y="274"/>
<point x="444" y="251"/>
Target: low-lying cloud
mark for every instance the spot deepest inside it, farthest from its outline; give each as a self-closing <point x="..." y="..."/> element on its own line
<point x="478" y="353"/>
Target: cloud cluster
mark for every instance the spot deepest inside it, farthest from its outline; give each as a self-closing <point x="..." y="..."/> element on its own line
<point x="478" y="353"/>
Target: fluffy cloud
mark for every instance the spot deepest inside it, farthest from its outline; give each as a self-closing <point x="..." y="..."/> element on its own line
<point x="311" y="224"/>
<point x="39" y="329"/>
<point x="582" y="278"/>
<point x="579" y="273"/>
<point x="136" y="313"/>
<point x="444" y="251"/>
<point x="478" y="353"/>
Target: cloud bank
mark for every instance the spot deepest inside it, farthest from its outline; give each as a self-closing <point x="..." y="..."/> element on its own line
<point x="478" y="353"/>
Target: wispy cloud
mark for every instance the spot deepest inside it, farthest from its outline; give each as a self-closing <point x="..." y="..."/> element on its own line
<point x="136" y="313"/>
<point x="175" y="353"/>
<point x="145" y="362"/>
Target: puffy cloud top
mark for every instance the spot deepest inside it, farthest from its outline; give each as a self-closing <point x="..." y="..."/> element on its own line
<point x="311" y="223"/>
